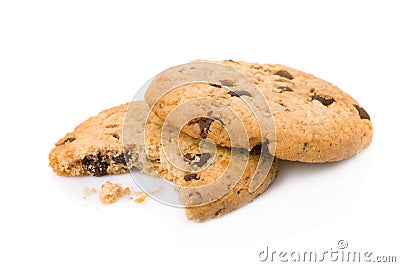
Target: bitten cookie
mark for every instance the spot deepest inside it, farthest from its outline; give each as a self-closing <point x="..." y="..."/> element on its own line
<point x="212" y="180"/>
<point x="97" y="147"/>
<point x="315" y="121"/>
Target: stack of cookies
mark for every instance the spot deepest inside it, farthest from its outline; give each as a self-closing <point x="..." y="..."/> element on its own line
<point x="216" y="130"/>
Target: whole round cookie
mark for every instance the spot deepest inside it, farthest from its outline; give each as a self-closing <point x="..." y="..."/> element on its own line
<point x="314" y="121"/>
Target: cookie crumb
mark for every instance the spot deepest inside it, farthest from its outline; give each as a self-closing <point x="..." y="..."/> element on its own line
<point x="89" y="191"/>
<point x="140" y="197"/>
<point x="109" y="192"/>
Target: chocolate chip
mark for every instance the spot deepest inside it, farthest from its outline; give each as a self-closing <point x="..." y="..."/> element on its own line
<point x="239" y="93"/>
<point x="284" y="74"/>
<point x="230" y="60"/>
<point x="121" y="159"/>
<point x="284" y="89"/>
<point x="116" y="136"/>
<point x="197" y="159"/>
<point x="96" y="167"/>
<point x="204" y="124"/>
<point x="190" y="176"/>
<point x="363" y="114"/>
<point x="68" y="140"/>
<point x="188" y="157"/>
<point x="227" y="83"/>
<point x="203" y="159"/>
<point x="326" y="100"/>
<point x="233" y="94"/>
<point x="215" y="85"/>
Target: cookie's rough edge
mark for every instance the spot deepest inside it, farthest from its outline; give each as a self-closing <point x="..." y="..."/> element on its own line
<point x="66" y="159"/>
<point x="232" y="200"/>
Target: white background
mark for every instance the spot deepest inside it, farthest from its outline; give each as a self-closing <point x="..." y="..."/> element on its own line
<point x="63" y="61"/>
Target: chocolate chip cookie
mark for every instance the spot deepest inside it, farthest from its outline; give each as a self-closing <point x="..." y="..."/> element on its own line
<point x="95" y="147"/>
<point x="130" y="136"/>
<point x="314" y="121"/>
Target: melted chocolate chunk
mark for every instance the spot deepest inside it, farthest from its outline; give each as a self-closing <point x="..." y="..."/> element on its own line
<point x="96" y="167"/>
<point x="284" y="89"/>
<point x="203" y="159"/>
<point x="326" y="100"/>
<point x="215" y="85"/>
<point x="188" y="157"/>
<point x="197" y="159"/>
<point x="190" y="176"/>
<point x="239" y="93"/>
<point x="204" y="124"/>
<point x="363" y="114"/>
<point x="121" y="159"/>
<point x="68" y="140"/>
<point x="227" y="83"/>
<point x="284" y="74"/>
